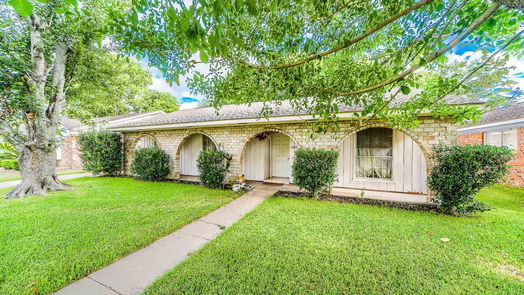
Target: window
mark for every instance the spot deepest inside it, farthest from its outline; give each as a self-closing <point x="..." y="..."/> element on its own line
<point x="59" y="153"/>
<point x="374" y="153"/>
<point x="208" y="144"/>
<point x="506" y="137"/>
<point x="146" y="141"/>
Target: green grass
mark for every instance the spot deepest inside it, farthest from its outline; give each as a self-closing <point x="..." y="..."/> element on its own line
<point x="48" y="242"/>
<point x="15" y="175"/>
<point x="303" y="246"/>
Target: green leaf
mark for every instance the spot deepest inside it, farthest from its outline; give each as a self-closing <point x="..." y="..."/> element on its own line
<point x="252" y="7"/>
<point x="71" y="2"/>
<point x="405" y="89"/>
<point x="203" y="56"/>
<point x="184" y="23"/>
<point x="23" y="7"/>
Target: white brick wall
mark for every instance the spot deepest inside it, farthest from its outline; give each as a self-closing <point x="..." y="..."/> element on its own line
<point x="232" y="139"/>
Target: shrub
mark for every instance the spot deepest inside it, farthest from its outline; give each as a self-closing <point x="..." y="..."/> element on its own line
<point x="9" y="164"/>
<point x="461" y="171"/>
<point x="314" y="170"/>
<point x="8" y="156"/>
<point x="150" y="164"/>
<point x="213" y="167"/>
<point x="101" y="153"/>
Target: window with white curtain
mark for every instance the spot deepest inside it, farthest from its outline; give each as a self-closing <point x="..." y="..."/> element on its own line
<point x="146" y="141"/>
<point x="506" y="137"/>
<point x="375" y="153"/>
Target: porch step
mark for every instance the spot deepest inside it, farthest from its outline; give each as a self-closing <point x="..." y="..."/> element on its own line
<point x="277" y="180"/>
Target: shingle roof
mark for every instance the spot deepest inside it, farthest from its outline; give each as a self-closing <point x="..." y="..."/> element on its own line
<point x="70" y="124"/>
<point x="252" y="111"/>
<point x="511" y="112"/>
<point x="107" y="122"/>
<point x="118" y="117"/>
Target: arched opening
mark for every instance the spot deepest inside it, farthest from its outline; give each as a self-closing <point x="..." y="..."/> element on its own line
<point x="189" y="150"/>
<point x="267" y="156"/>
<point x="146" y="141"/>
<point x="384" y="159"/>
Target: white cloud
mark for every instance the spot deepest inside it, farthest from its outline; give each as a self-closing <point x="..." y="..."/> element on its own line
<point x="519" y="68"/>
<point x="189" y="105"/>
<point x="468" y="55"/>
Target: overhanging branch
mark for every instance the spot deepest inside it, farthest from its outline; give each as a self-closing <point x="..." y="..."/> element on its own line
<point x="337" y="48"/>
<point x="478" y="22"/>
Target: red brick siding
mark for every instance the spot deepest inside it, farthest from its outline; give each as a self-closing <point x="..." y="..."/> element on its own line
<point x="517" y="170"/>
<point x="516" y="174"/>
<point x="473" y="138"/>
<point x="70" y="154"/>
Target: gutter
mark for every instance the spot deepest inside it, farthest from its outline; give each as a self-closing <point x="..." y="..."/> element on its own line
<point x="219" y="123"/>
<point x="492" y="126"/>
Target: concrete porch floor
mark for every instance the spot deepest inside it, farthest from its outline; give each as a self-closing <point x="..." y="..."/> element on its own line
<point x="189" y="178"/>
<point x="277" y="180"/>
<point x="336" y="191"/>
<point x="368" y="194"/>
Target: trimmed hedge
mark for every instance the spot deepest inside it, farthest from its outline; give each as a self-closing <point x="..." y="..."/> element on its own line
<point x="461" y="171"/>
<point x="314" y="169"/>
<point x="213" y="167"/>
<point x="150" y="164"/>
<point x="101" y="153"/>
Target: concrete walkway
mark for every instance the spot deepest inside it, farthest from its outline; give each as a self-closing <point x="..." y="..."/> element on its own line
<point x="4" y="184"/>
<point x="133" y="273"/>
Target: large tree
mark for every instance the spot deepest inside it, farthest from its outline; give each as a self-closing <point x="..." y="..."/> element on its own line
<point x="39" y="48"/>
<point x="331" y="52"/>
<point x="106" y="84"/>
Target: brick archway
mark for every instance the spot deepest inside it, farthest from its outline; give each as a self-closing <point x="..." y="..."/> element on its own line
<point x="426" y="150"/>
<point x="239" y="156"/>
<point x="142" y="135"/>
<point x="181" y="143"/>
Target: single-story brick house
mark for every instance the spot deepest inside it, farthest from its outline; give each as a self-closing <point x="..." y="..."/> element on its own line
<point x="500" y="127"/>
<point x="68" y="154"/>
<point x="373" y="156"/>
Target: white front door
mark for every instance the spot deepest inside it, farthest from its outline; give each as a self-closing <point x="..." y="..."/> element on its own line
<point x="279" y="155"/>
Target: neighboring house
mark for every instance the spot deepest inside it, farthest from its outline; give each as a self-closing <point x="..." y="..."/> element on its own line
<point x="373" y="156"/>
<point x="501" y="127"/>
<point x="68" y="154"/>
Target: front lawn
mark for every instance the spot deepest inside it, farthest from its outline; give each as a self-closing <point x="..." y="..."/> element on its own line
<point x="8" y="175"/>
<point x="48" y="242"/>
<point x="302" y="246"/>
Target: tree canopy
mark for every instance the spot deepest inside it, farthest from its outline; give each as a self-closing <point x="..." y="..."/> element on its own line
<point x="330" y="52"/>
<point x="106" y="84"/>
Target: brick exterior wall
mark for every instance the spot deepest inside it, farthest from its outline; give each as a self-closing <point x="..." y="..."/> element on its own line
<point x="233" y="138"/>
<point x="70" y="154"/>
<point x="516" y="174"/>
<point x="517" y="170"/>
<point x="473" y="138"/>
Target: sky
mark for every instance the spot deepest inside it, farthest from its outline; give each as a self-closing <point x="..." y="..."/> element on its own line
<point x="189" y="101"/>
<point x="181" y="92"/>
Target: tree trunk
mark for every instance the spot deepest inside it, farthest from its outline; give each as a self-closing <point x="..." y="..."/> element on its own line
<point x="38" y="173"/>
<point x="37" y="157"/>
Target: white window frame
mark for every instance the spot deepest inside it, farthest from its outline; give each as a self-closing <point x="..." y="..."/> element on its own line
<point x="512" y="143"/>
<point x="384" y="159"/>
<point x="140" y="143"/>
